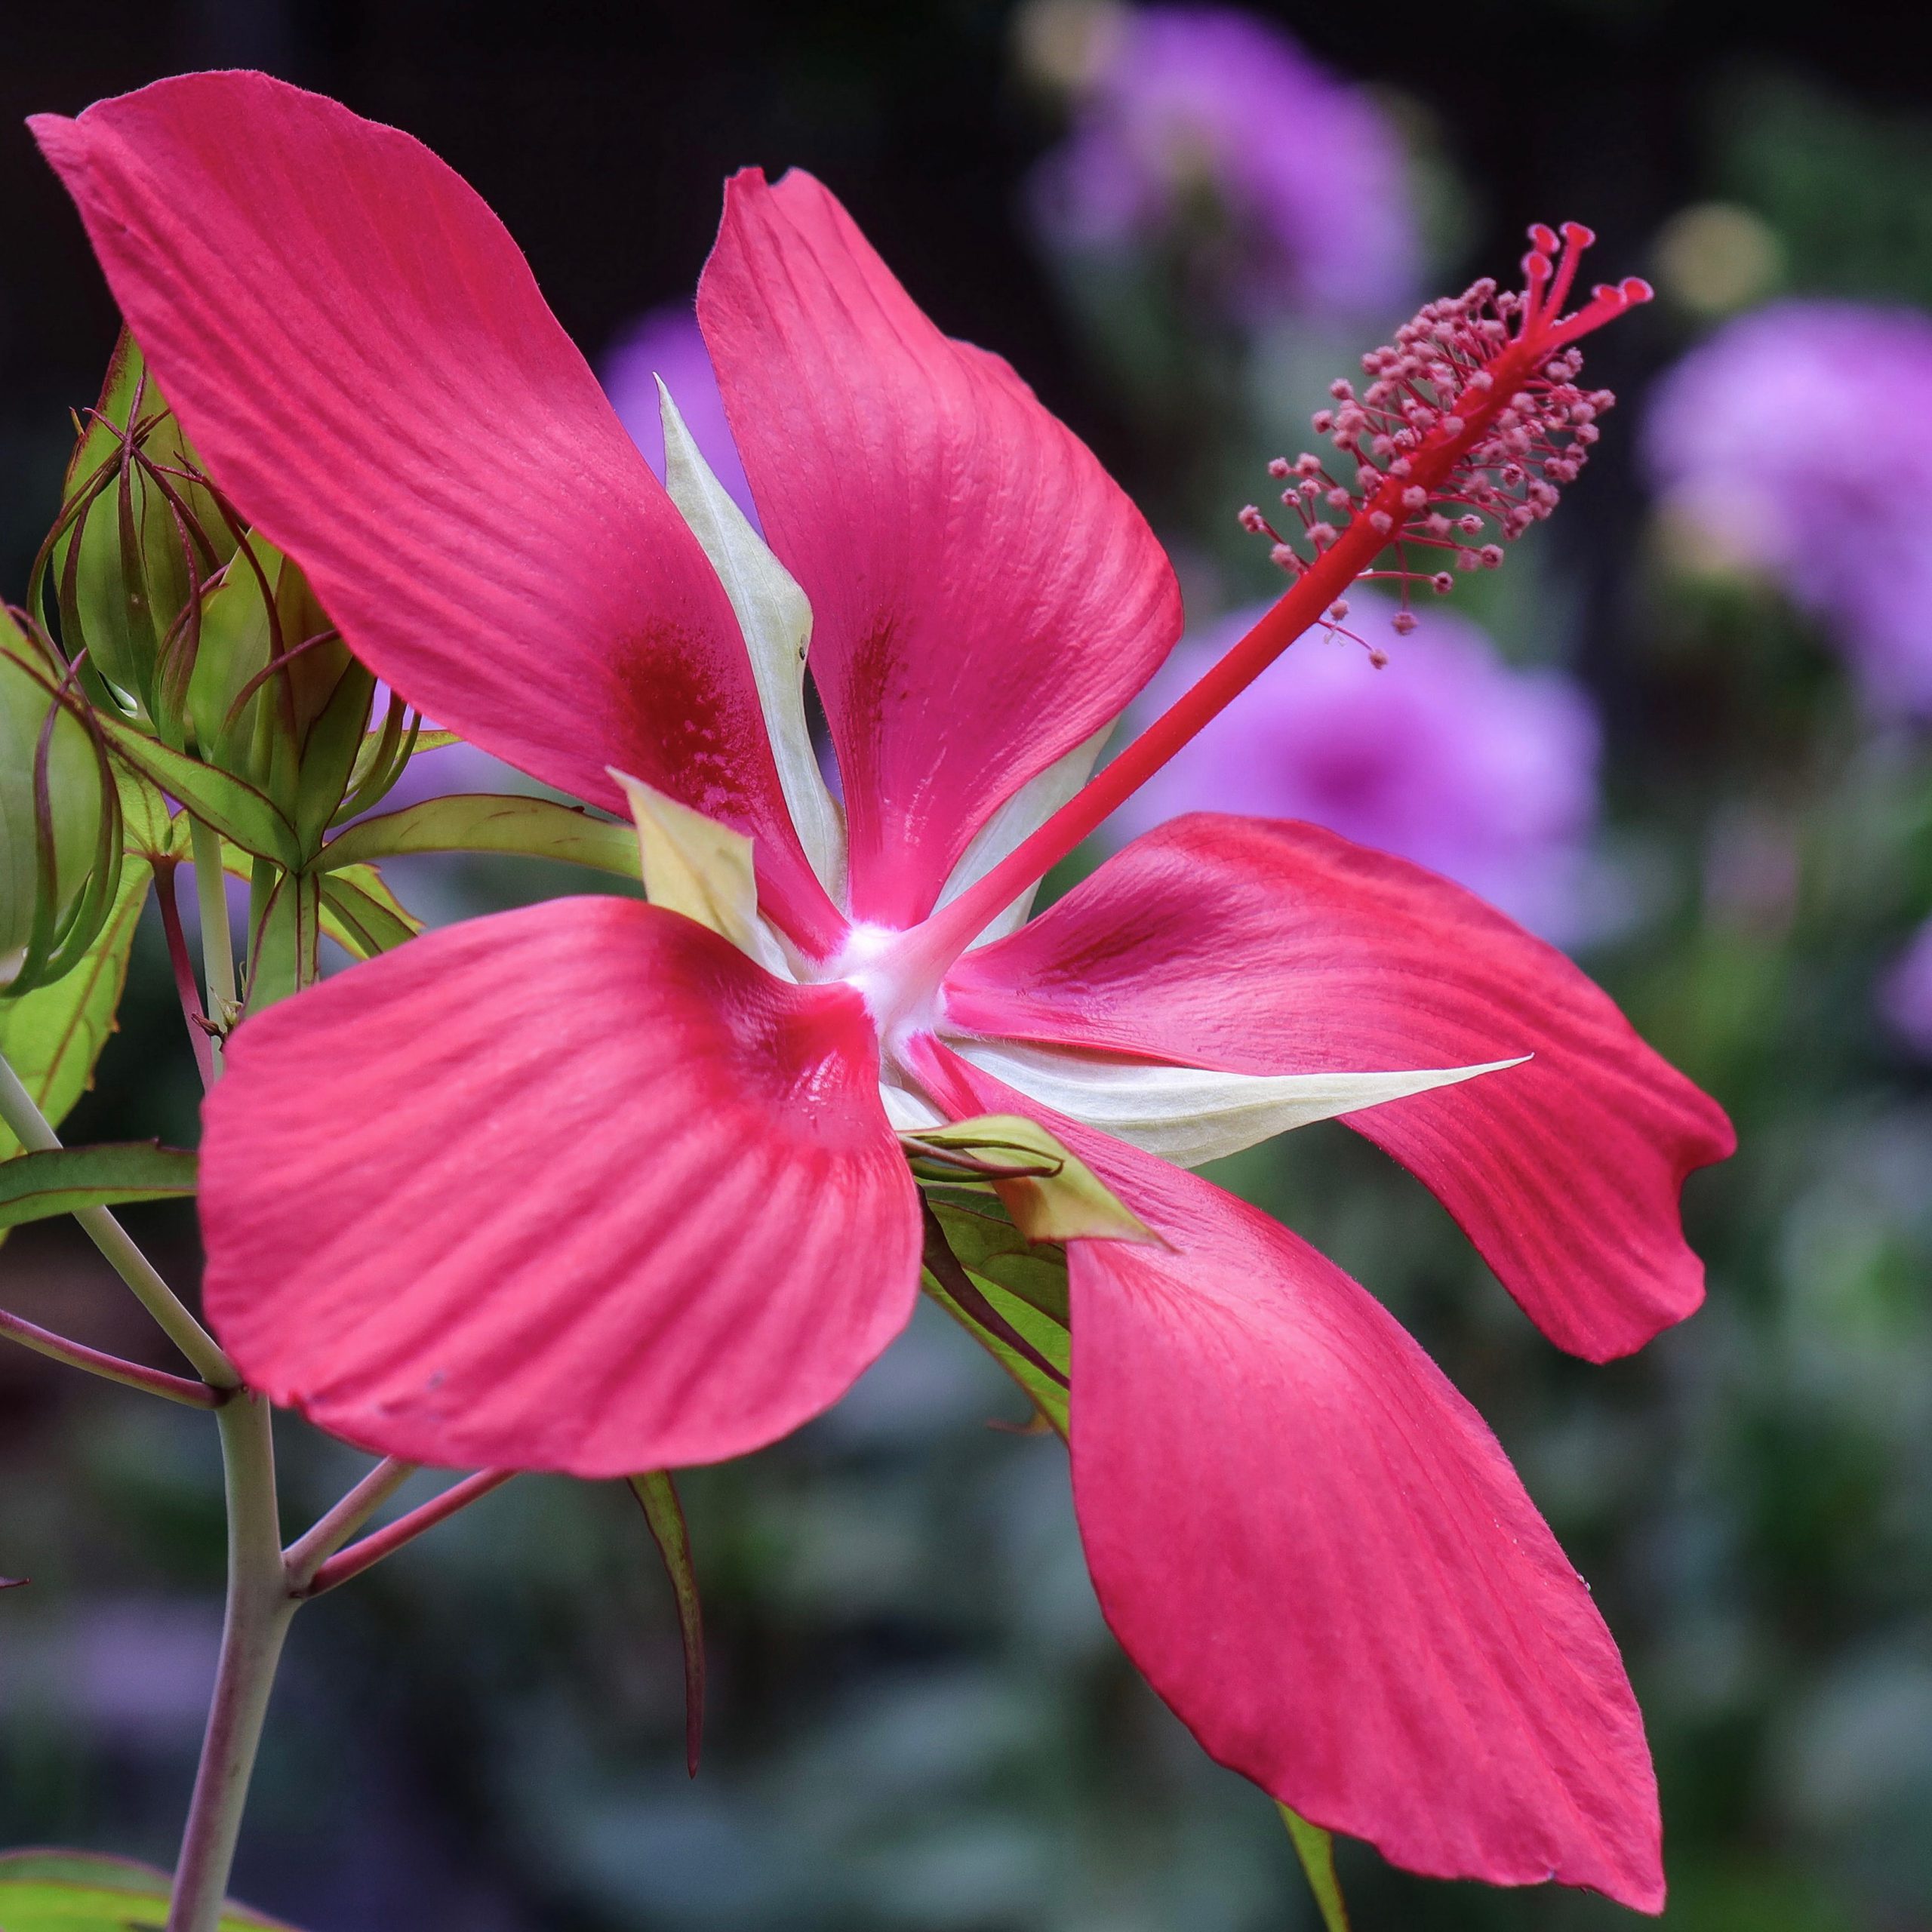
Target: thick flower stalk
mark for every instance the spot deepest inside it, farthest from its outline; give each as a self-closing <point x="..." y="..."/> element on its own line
<point x="629" y="1187"/>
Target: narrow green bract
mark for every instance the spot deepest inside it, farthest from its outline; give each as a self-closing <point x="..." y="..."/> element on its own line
<point x="61" y="1180"/>
<point x="1315" y="1848"/>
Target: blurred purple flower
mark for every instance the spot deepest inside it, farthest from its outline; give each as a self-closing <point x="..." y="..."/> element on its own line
<point x="667" y="342"/>
<point x="1797" y="440"/>
<point x="1446" y="755"/>
<point x="1905" y="995"/>
<point x="1309" y="172"/>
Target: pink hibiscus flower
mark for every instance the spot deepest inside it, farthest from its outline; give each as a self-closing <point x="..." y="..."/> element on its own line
<point x="601" y="1187"/>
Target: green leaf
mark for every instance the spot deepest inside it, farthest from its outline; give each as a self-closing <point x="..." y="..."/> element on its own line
<point x="479" y="822"/>
<point x="285" y="955"/>
<point x="36" y="1186"/>
<point x="1051" y="1194"/>
<point x="75" y="1891"/>
<point x="658" y="1498"/>
<point x="53" y="1036"/>
<point x="361" y="915"/>
<point x="1315" y="1848"/>
<point x="233" y="806"/>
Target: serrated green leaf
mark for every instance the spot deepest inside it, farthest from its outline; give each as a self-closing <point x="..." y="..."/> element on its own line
<point x="75" y="1891"/>
<point x="657" y="1496"/>
<point x="53" y="1036"/>
<point x="1315" y="1848"/>
<point x="479" y="822"/>
<point x="61" y="1180"/>
<point x="233" y="806"/>
<point x="361" y="915"/>
<point x="1050" y="1193"/>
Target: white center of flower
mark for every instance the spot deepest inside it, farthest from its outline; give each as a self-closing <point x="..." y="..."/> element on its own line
<point x="878" y="963"/>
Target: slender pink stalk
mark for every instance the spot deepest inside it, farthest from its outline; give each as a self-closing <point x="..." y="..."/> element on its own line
<point x="380" y="1543"/>
<point x="114" y="1368"/>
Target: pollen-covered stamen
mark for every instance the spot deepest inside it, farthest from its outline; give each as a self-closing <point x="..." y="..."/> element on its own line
<point x="1472" y="421"/>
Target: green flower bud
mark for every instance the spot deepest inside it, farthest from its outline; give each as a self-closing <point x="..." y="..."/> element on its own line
<point x="139" y="533"/>
<point x="275" y="697"/>
<point x="58" y="825"/>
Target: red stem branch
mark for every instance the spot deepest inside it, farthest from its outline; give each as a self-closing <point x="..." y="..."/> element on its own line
<point x="359" y="1556"/>
<point x="114" y="1368"/>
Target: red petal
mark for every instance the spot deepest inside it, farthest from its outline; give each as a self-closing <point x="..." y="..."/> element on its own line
<point x="1259" y="946"/>
<point x="576" y="1188"/>
<point x="1320" y="1557"/>
<point x="984" y="595"/>
<point x="360" y="353"/>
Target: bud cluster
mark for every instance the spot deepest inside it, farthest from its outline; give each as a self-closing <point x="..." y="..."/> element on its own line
<point x="178" y="622"/>
<point x="1470" y="423"/>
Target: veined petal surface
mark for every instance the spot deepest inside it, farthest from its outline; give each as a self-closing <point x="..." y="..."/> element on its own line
<point x="1320" y="1556"/>
<point x="1268" y="947"/>
<point x="360" y="354"/>
<point x="984" y="598"/>
<point x="578" y="1187"/>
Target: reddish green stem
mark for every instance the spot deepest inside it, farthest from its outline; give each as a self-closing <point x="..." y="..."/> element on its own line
<point x="380" y="1543"/>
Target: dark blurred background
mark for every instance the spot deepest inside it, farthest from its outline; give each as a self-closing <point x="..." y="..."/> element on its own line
<point x="919" y="1723"/>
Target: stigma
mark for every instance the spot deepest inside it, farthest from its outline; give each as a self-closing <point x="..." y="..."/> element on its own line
<point x="1469" y="426"/>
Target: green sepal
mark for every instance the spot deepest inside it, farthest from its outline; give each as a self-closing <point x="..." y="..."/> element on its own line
<point x="284" y="957"/>
<point x="329" y="753"/>
<point x="61" y="1180"/>
<point x="59" y="851"/>
<point x="1315" y="1848"/>
<point x="53" y="1036"/>
<point x="485" y="822"/>
<point x="1050" y="1193"/>
<point x="380" y="759"/>
<point x="233" y="806"/>
<point x="361" y="915"/>
<point x="657" y="1496"/>
<point x="79" y="1891"/>
<point x="990" y="1246"/>
<point x="986" y="1248"/>
<point x="148" y="830"/>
